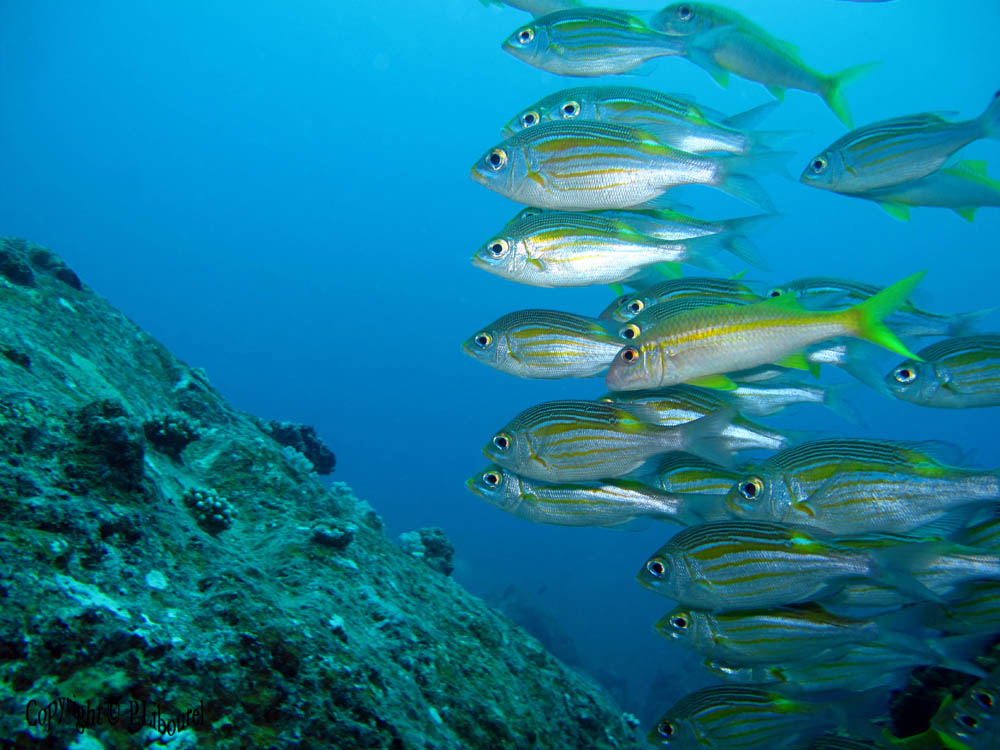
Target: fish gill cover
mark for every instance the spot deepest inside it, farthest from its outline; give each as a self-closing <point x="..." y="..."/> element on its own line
<point x="275" y="191"/>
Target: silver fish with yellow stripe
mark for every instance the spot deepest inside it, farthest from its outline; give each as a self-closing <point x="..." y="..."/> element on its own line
<point x="731" y="565"/>
<point x="700" y="346"/>
<point x="895" y="151"/>
<point x="544" y="344"/>
<point x="942" y="569"/>
<point x="721" y="41"/>
<point x="825" y="293"/>
<point x="730" y="717"/>
<point x="723" y="291"/>
<point x="611" y="502"/>
<point x="584" y="166"/>
<point x="564" y="249"/>
<point x="677" y="121"/>
<point x="855" y="486"/>
<point x="960" y="373"/>
<point x="654" y="316"/>
<point x="964" y="188"/>
<point x="686" y="473"/>
<point x="859" y="668"/>
<point x="569" y="441"/>
<point x="680" y="404"/>
<point x="589" y="42"/>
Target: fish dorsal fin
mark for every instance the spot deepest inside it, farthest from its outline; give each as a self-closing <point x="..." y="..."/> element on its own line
<point x="783" y="302"/>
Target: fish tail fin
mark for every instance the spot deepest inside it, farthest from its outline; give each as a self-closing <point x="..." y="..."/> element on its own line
<point x="990" y="119"/>
<point x="736" y="241"/>
<point x="833" y="93"/>
<point x="704" y="437"/>
<point x="737" y="176"/>
<point x="868" y="315"/>
<point x="860" y="364"/>
<point x="834" y="399"/>
<point x="701" y="252"/>
<point x="964" y="324"/>
<point x="895" y="566"/>
<point x="763" y="141"/>
<point x="749" y="119"/>
<point x="957" y="651"/>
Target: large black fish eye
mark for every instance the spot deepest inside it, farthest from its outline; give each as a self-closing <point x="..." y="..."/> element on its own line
<point x="483" y="340"/>
<point x="969" y="722"/>
<point x="666" y="729"/>
<point x="685" y="12"/>
<point x="525" y="35"/>
<point x="496" y="158"/>
<point x="529" y="118"/>
<point x="679" y="622"/>
<point x="774" y="293"/>
<point x="630" y="331"/>
<point x="501" y="441"/>
<point x="818" y="165"/>
<point x="985" y="700"/>
<point x="635" y="306"/>
<point x="751" y="488"/>
<point x="570" y="109"/>
<point x="656" y="567"/>
<point x="498" y="247"/>
<point x="904" y="374"/>
<point x="491" y="478"/>
<point x="629" y="355"/>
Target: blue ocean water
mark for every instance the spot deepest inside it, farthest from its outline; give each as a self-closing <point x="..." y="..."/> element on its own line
<point x="279" y="192"/>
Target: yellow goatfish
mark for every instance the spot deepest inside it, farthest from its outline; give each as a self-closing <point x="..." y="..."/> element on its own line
<point x="699" y="346"/>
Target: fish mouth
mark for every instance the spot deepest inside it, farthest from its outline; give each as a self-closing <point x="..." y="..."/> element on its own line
<point x="471" y="484"/>
<point x="476" y="176"/>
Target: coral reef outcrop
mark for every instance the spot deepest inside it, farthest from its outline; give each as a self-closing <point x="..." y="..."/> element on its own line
<point x="276" y="614"/>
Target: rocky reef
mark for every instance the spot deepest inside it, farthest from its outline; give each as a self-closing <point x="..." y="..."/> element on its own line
<point x="176" y="575"/>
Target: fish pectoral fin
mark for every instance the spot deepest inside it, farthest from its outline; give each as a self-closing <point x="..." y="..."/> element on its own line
<point x="969" y="214"/>
<point x="796" y="361"/>
<point x="703" y="58"/>
<point x="618" y="289"/>
<point x="804" y="507"/>
<point x="896" y="210"/>
<point x="718" y="382"/>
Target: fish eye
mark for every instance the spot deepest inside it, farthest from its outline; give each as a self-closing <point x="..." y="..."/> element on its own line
<point x="818" y="165"/>
<point x="498" y="247"/>
<point x="635" y="306"/>
<point x="529" y="118"/>
<point x="985" y="700"/>
<point x="501" y="441"/>
<point x="570" y="109"/>
<point x="491" y="478"/>
<point x="656" y="567"/>
<point x="775" y="293"/>
<point x="685" y="12"/>
<point x="525" y="35"/>
<point x="496" y="159"/>
<point x="666" y="729"/>
<point x="629" y="355"/>
<point x="483" y="340"/>
<point x="751" y="488"/>
<point x="904" y="374"/>
<point x="629" y="331"/>
<point x="969" y="722"/>
<point x="679" y="622"/>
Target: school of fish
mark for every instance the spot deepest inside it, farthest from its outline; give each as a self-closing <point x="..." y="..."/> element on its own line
<point x="814" y="581"/>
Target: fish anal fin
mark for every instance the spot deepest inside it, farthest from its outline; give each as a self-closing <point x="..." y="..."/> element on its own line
<point x="717" y="382"/>
<point x="895" y="210"/>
